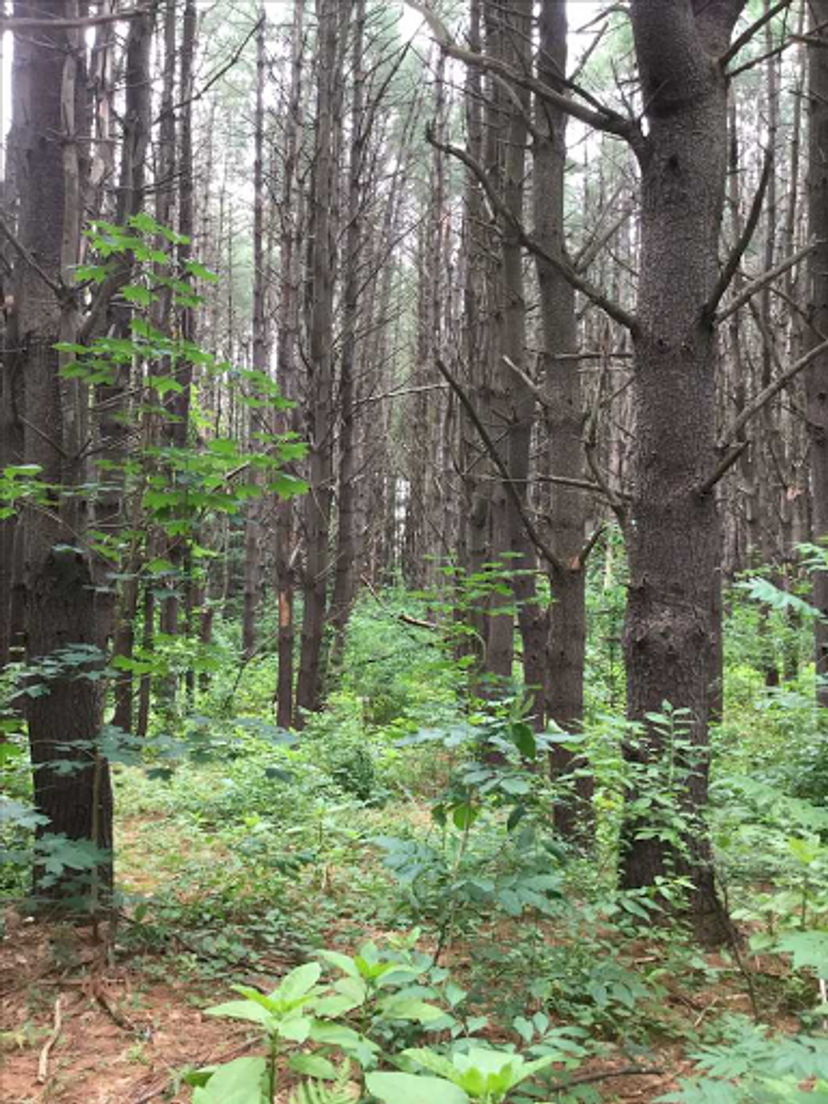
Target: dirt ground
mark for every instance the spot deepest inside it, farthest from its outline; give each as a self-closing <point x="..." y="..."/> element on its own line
<point x="78" y="1029"/>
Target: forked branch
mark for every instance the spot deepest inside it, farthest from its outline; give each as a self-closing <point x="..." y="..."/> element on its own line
<point x="729" y="445"/>
<point x="731" y="266"/>
<point x="609" y="306"/>
<point x="491" y="448"/>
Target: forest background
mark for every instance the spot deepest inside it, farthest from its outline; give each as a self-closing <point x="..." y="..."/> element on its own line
<point x="413" y="500"/>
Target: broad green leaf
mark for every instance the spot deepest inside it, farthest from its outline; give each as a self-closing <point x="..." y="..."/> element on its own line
<point x="298" y="983"/>
<point x="313" y="1065"/>
<point x="242" y="1081"/>
<point x="524" y="740"/>
<point x="297" y="1028"/>
<point x="407" y="1088"/>
<point x="410" y="1008"/>
<point x="342" y="962"/>
<point x="809" y="948"/>
<point x="242" y="1010"/>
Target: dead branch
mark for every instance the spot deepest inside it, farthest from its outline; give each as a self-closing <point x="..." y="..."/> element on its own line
<point x="493" y="452"/>
<point x="739" y="43"/>
<point x="26" y="23"/>
<point x="731" y="266"/>
<point x="762" y="281"/>
<point x="59" y="290"/>
<point x="773" y="388"/>
<point x="613" y="309"/>
<point x="43" y="1061"/>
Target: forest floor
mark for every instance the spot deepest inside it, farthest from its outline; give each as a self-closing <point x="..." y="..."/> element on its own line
<point x="88" y="1019"/>
<point x="85" y="1030"/>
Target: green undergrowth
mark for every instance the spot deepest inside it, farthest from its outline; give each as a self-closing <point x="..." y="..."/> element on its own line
<point x="411" y="817"/>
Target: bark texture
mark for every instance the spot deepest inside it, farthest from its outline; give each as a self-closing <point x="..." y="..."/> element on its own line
<point x="816" y="378"/>
<point x="65" y="715"/>
<point x="673" y="625"/>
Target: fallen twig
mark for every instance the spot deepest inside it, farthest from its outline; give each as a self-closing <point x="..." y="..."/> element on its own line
<point x="43" y="1061"/>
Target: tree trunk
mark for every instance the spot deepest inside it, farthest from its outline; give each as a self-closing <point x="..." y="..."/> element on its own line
<point x="64" y="719"/>
<point x="673" y="624"/>
<point x="320" y="362"/>
<point x="287" y="351"/>
<point x="816" y="377"/>
<point x="253" y="512"/>
<point x="564" y="420"/>
<point x="346" y="534"/>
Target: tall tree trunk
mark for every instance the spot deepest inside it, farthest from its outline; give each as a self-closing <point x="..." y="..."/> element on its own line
<point x="564" y="419"/>
<point x="346" y="535"/>
<point x="252" y="532"/>
<point x="64" y="722"/>
<point x="673" y="625"/>
<point x="816" y="377"/>
<point x="320" y="361"/>
<point x="287" y="352"/>
<point x="114" y="429"/>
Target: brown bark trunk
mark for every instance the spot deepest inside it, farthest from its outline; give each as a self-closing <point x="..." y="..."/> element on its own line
<point x="346" y="534"/>
<point x="564" y="420"/>
<point x="252" y="533"/>
<point x="816" y="377"/>
<point x="287" y="346"/>
<point x="673" y="625"/>
<point x="320" y="363"/>
<point x="64" y="722"/>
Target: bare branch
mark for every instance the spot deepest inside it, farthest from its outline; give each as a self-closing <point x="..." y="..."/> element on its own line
<point x="590" y="446"/>
<point x="26" y="23"/>
<point x="743" y="39"/>
<point x="604" y="118"/>
<point x="59" y="290"/>
<point x="589" y="544"/>
<point x="762" y="281"/>
<point x="494" y="453"/>
<point x="731" y="266"/>
<point x="767" y="393"/>
<point x="613" y="309"/>
<point x="724" y="466"/>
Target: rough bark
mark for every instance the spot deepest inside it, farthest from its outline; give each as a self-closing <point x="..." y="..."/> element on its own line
<point x="253" y="532"/>
<point x="320" y="362"/>
<point x="816" y="378"/>
<point x="345" y="574"/>
<point x="673" y="624"/>
<point x="287" y="351"/>
<point x="564" y="683"/>
<point x="64" y="721"/>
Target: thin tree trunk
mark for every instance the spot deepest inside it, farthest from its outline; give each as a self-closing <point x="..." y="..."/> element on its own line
<point x="564" y="419"/>
<point x="346" y="537"/>
<point x="320" y="363"/>
<point x="816" y="377"/>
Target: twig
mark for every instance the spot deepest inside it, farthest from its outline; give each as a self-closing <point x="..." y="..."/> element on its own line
<point x="405" y="618"/>
<point x="59" y="290"/>
<point x="492" y="450"/>
<point x="591" y="1078"/>
<point x="746" y="36"/>
<point x="724" y="466"/>
<point x="762" y="281"/>
<point x="43" y="1061"/>
<point x="589" y="544"/>
<point x="117" y="1017"/>
<point x="764" y="396"/>
<point x="609" y="306"/>
<point x="731" y="266"/>
<point x="25" y="23"/>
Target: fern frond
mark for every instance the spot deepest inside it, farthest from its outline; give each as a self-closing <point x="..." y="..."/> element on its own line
<point x="341" y="1091"/>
